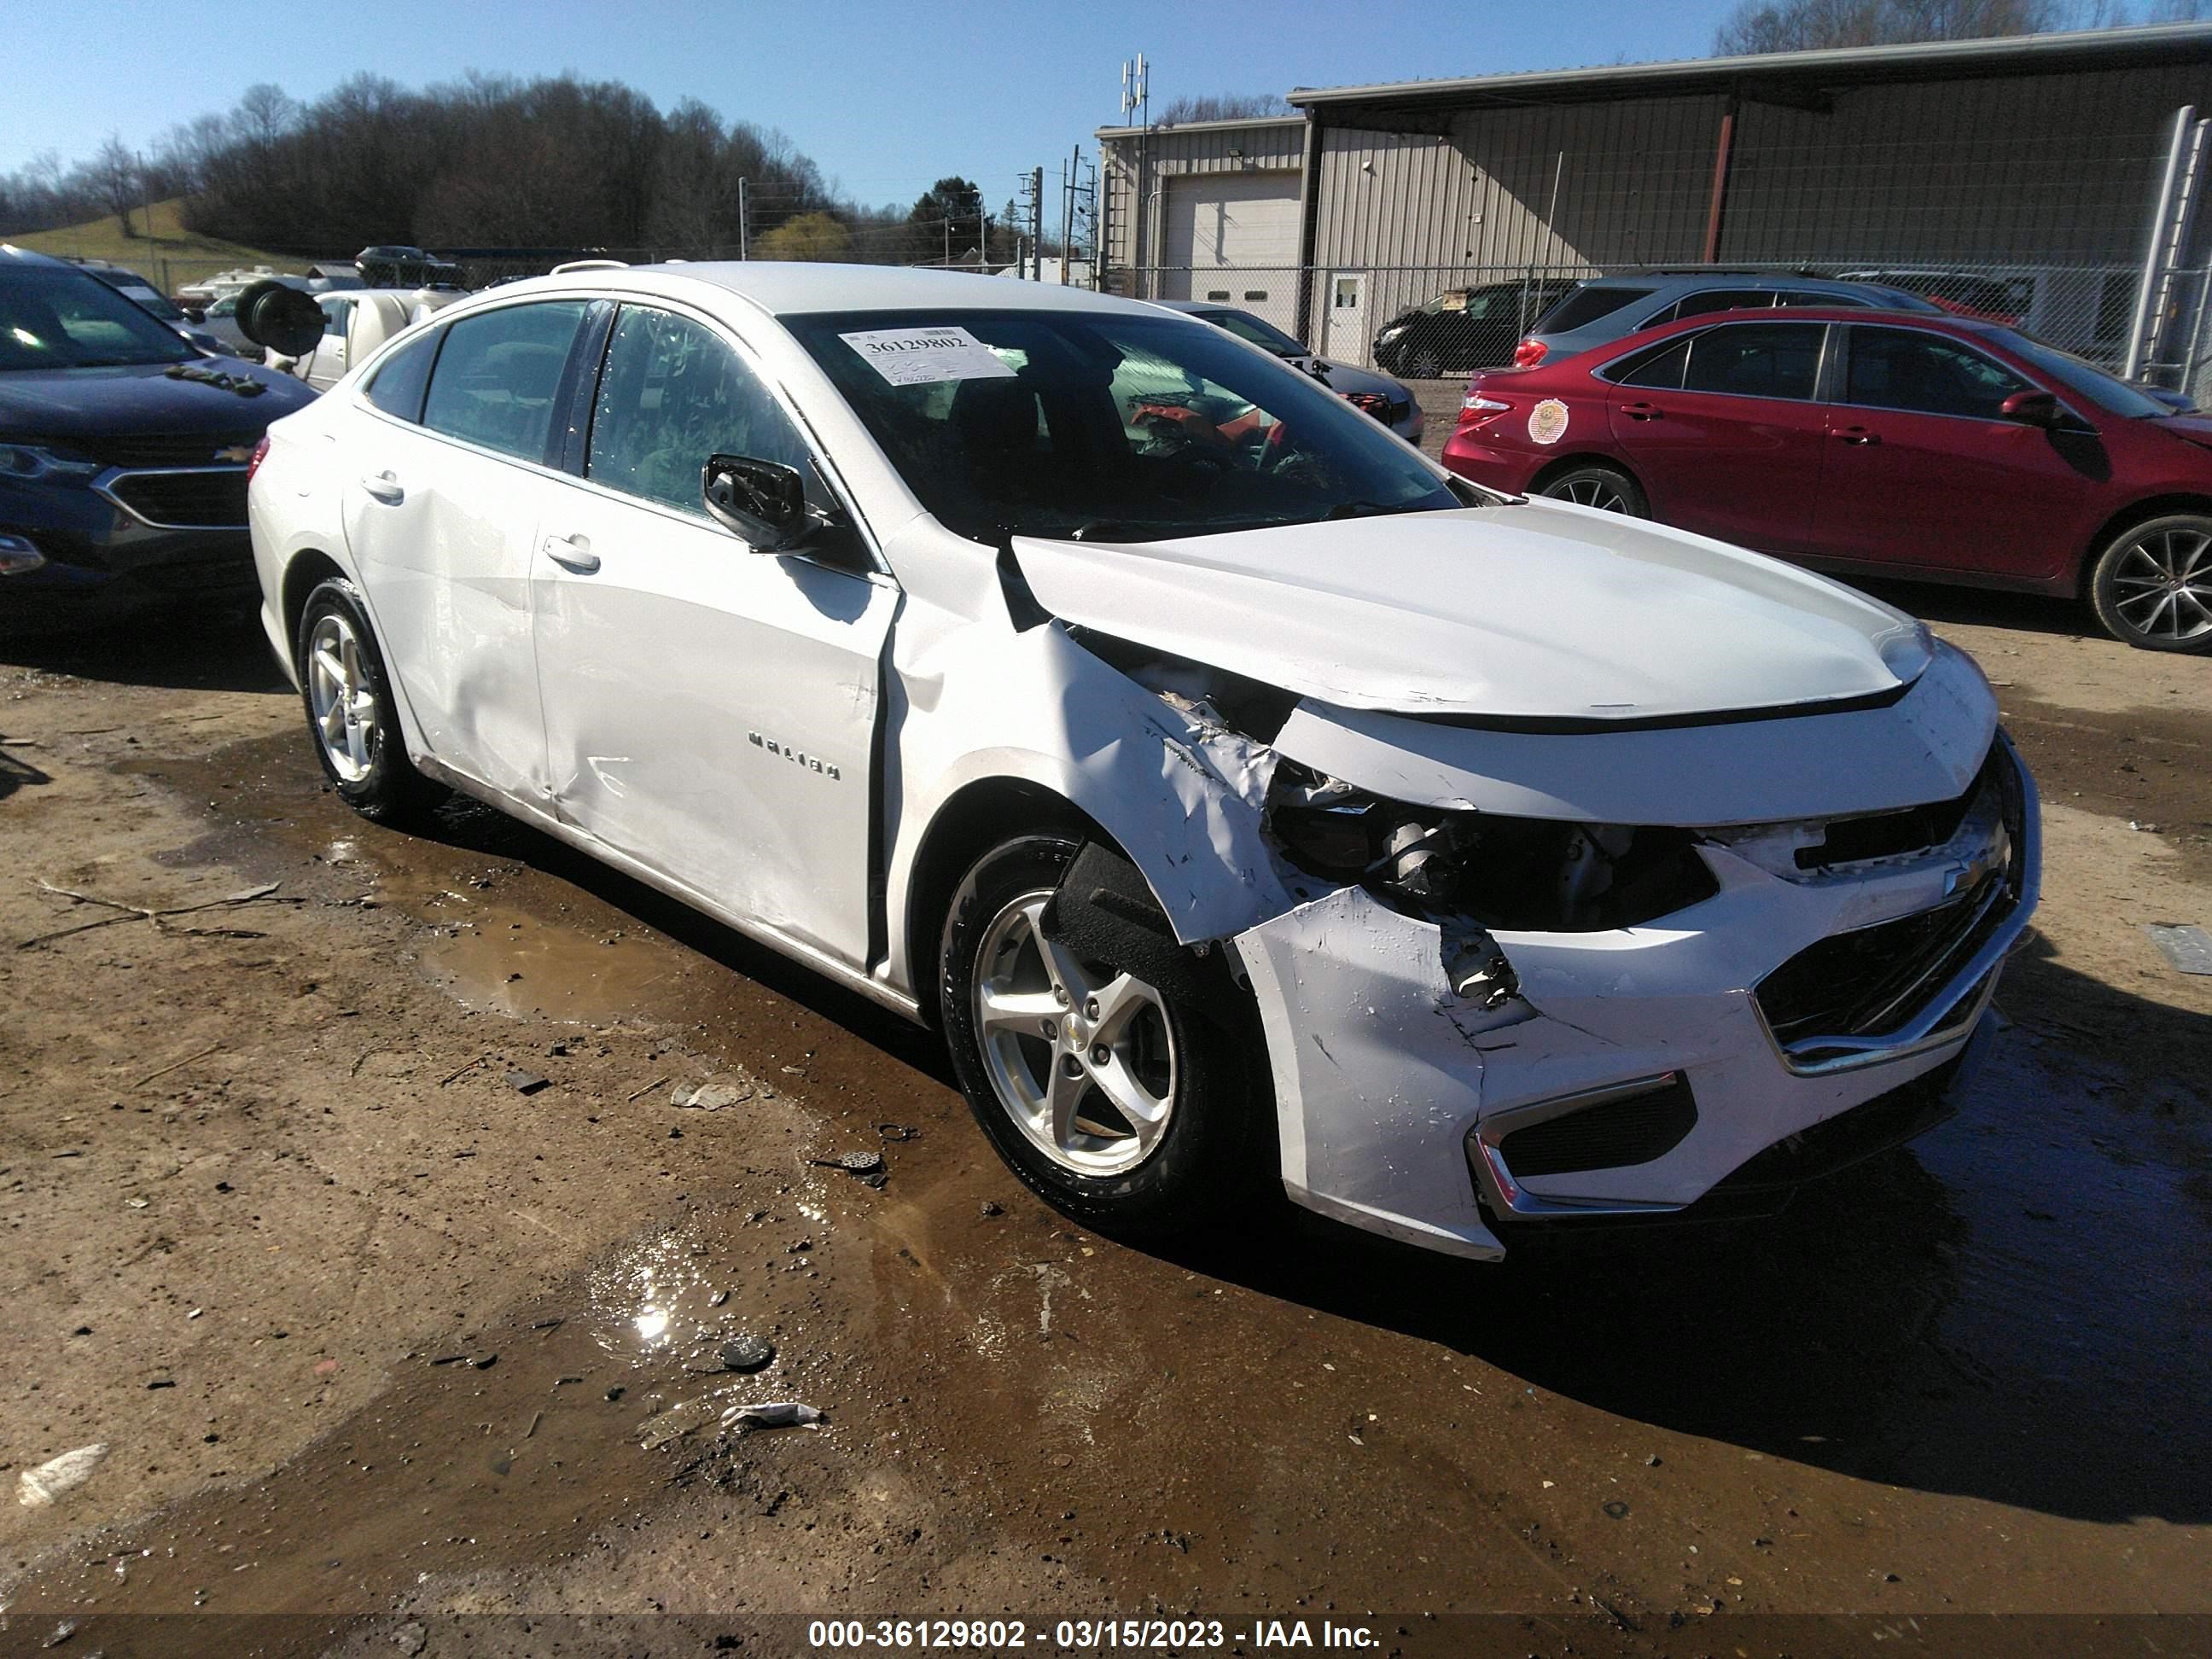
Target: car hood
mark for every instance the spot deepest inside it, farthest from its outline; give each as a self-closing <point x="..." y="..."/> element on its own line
<point x="67" y="404"/>
<point x="1529" y="612"/>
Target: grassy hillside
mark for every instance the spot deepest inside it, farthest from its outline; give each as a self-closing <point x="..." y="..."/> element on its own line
<point x="188" y="255"/>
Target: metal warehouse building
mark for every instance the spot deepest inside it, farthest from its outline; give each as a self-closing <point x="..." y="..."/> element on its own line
<point x="2058" y="165"/>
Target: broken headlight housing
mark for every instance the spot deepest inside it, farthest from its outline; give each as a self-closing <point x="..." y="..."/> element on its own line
<point x="1533" y="875"/>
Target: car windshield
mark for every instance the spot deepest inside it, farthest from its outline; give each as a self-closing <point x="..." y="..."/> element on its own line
<point x="1245" y="326"/>
<point x="1106" y="425"/>
<point x="61" y="319"/>
<point x="2092" y="382"/>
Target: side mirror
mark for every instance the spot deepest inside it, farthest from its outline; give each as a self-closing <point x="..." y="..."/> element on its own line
<point x="2033" y="409"/>
<point x="764" y="501"/>
<point x="281" y="319"/>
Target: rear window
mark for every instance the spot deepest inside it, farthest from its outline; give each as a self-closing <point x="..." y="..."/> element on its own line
<point x="1586" y="305"/>
<point x="1757" y="359"/>
<point x="499" y="373"/>
<point x="396" y="385"/>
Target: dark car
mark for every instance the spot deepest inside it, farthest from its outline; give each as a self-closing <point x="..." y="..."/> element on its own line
<point x="124" y="450"/>
<point x="392" y="266"/>
<point x="1464" y="328"/>
<point x="1883" y="443"/>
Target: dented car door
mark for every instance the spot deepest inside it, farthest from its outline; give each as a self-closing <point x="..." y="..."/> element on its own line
<point x="709" y="710"/>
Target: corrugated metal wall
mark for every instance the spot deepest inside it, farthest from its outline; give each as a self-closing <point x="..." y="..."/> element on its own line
<point x="2051" y="168"/>
<point x="2048" y="168"/>
<point x="1632" y="179"/>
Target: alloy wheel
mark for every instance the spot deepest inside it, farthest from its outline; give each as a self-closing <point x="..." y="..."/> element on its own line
<point x="340" y="695"/>
<point x="1083" y="1060"/>
<point x="1591" y="489"/>
<point x="2162" y="585"/>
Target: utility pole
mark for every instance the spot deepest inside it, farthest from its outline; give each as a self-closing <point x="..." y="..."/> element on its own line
<point x="744" y="251"/>
<point x="1037" y="224"/>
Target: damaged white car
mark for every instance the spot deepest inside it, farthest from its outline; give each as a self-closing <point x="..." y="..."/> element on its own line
<point x="1246" y="799"/>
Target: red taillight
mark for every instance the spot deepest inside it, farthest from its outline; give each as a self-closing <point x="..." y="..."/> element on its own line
<point x="1479" y="408"/>
<point x="254" y="461"/>
<point x="1530" y="353"/>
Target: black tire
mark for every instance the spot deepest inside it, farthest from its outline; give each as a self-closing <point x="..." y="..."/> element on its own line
<point x="374" y="776"/>
<point x="1596" y="484"/>
<point x="1217" y="1154"/>
<point x="2130" y="591"/>
<point x="1425" y="364"/>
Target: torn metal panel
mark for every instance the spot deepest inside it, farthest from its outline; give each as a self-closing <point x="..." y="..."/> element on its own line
<point x="1181" y="796"/>
<point x="1375" y="1086"/>
<point x="1506" y="612"/>
<point x="1924" y="747"/>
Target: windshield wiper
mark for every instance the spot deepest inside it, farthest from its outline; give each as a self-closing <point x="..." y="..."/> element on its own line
<point x="1373" y="509"/>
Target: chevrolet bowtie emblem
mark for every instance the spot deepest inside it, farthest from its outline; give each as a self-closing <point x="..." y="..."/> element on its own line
<point x="236" y="455"/>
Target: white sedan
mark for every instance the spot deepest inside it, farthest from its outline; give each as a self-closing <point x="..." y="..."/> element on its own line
<point x="1248" y="801"/>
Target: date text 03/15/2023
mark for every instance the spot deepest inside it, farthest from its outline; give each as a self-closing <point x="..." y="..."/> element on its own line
<point x="1083" y="1635"/>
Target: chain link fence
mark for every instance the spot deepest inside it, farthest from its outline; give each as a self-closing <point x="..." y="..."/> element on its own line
<point x="1424" y="322"/>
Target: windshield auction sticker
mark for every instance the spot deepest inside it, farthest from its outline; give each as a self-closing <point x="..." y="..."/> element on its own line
<point x="923" y="356"/>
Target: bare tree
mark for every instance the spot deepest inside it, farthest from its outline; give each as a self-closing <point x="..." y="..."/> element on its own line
<point x="1761" y="25"/>
<point x="119" y="178"/>
<point x="1223" y="106"/>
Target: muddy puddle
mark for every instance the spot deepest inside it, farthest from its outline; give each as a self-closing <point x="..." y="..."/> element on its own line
<point x="1970" y="1375"/>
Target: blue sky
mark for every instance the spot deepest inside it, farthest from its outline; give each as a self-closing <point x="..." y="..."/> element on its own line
<point x="884" y="94"/>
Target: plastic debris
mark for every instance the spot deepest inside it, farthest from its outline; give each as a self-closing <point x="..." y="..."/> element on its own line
<point x="36" y="1488"/>
<point x="526" y="1083"/>
<point x="2186" y="945"/>
<point x="774" y="1415"/>
<point x="711" y="1097"/>
<point x="863" y="1163"/>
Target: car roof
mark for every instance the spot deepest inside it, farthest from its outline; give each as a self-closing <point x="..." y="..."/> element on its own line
<point x="1657" y="280"/>
<point x="1942" y="321"/>
<point x="796" y="289"/>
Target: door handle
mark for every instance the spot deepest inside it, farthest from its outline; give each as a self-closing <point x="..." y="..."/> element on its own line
<point x="1642" y="411"/>
<point x="571" y="553"/>
<point x="1859" y="434"/>
<point x="385" y="488"/>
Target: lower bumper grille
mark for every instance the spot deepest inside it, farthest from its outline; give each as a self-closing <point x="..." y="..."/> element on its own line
<point x="1611" y="1136"/>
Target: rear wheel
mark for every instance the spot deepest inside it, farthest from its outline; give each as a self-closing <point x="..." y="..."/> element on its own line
<point x="1113" y="1099"/>
<point x="347" y="697"/>
<point x="2152" y="584"/>
<point x="1595" y="484"/>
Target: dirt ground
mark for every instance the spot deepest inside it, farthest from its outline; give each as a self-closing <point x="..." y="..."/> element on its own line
<point x="375" y="1328"/>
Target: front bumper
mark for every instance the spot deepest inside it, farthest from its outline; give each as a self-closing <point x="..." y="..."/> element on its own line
<point x="103" y="556"/>
<point x="1636" y="1077"/>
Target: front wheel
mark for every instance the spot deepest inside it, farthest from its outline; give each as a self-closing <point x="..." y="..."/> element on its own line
<point x="350" y="708"/>
<point x="1113" y="1100"/>
<point x="1606" y="488"/>
<point x="2152" y="584"/>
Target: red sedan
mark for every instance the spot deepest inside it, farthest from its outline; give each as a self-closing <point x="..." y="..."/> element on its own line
<point x="1895" y="443"/>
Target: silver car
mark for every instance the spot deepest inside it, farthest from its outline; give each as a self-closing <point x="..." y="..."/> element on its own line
<point x="1594" y="314"/>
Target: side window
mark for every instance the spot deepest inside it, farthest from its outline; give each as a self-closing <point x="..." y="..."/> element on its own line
<point x="396" y="385"/>
<point x="335" y="315"/>
<point x="1805" y="297"/>
<point x="497" y="377"/>
<point x="1925" y="374"/>
<point x="1659" y="368"/>
<point x="1723" y="299"/>
<point x="673" y="393"/>
<point x="1756" y="359"/>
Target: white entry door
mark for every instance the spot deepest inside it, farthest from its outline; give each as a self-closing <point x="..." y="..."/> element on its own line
<point x="1344" y="322"/>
